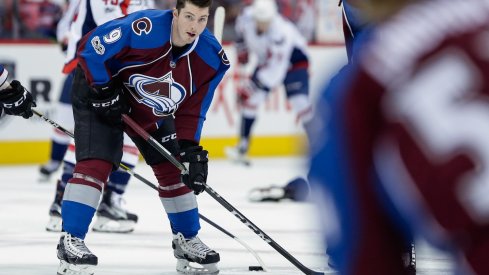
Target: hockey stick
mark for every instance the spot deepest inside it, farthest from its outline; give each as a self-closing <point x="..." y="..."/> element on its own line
<point x="219" y="16"/>
<point x="146" y="136"/>
<point x="150" y="184"/>
<point x="153" y="186"/>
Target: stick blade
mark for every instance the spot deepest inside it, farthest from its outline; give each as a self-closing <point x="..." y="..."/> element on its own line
<point x="219" y="17"/>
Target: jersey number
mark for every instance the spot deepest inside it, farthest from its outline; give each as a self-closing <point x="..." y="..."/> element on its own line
<point x="448" y="117"/>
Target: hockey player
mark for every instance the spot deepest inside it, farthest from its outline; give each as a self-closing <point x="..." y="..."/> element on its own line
<point x="282" y="59"/>
<point x="161" y="67"/>
<point x="402" y="150"/>
<point x="80" y="17"/>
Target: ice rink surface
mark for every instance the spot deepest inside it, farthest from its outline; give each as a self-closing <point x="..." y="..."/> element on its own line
<point x="27" y="249"/>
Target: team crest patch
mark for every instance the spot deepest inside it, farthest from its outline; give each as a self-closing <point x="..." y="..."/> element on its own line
<point x="113" y="36"/>
<point x="142" y="25"/>
<point x="97" y="45"/>
<point x="224" y="57"/>
<point x="162" y="94"/>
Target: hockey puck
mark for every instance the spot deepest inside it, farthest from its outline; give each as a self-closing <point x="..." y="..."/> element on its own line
<point x="255" y="268"/>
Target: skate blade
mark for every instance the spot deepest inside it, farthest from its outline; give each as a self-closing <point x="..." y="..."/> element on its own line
<point x="185" y="267"/>
<point x="106" y="225"/>
<point x="66" y="268"/>
<point x="54" y="224"/>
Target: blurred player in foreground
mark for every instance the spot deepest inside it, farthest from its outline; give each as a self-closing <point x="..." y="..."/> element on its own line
<point x="281" y="53"/>
<point x="400" y="146"/>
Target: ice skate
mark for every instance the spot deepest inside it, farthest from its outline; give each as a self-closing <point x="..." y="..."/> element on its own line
<point x="48" y="169"/>
<point x="193" y="256"/>
<point x="74" y="256"/>
<point x="55" y="221"/>
<point x="272" y="193"/>
<point x="112" y="217"/>
<point x="237" y="156"/>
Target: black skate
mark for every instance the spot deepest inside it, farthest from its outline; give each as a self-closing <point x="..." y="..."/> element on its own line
<point x="48" y="169"/>
<point x="74" y="256"/>
<point x="112" y="217"/>
<point x="194" y="251"/>
<point x="297" y="190"/>
<point x="272" y="193"/>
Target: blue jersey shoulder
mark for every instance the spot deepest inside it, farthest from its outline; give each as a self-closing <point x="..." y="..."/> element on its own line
<point x="209" y="49"/>
<point x="142" y="30"/>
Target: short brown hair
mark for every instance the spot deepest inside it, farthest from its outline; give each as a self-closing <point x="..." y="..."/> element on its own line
<point x="199" y="3"/>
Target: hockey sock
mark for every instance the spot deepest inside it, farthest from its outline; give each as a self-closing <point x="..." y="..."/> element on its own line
<point x="186" y="222"/>
<point x="178" y="200"/>
<point x="118" y="180"/>
<point x="82" y="195"/>
<point x="58" y="151"/>
<point x="246" y="124"/>
<point x="245" y="132"/>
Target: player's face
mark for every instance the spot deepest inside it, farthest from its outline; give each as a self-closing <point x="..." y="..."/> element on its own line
<point x="189" y="23"/>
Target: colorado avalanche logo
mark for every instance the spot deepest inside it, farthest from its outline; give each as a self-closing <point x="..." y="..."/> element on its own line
<point x="162" y="94"/>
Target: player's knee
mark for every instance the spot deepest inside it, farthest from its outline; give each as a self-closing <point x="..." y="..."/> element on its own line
<point x="168" y="176"/>
<point x="94" y="168"/>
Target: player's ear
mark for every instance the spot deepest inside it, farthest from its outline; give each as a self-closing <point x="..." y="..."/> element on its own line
<point x="175" y="12"/>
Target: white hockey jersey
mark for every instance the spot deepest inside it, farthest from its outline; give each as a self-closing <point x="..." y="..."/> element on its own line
<point x="85" y="15"/>
<point x="277" y="50"/>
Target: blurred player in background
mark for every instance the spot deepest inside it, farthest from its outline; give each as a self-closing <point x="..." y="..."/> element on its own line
<point x="281" y="53"/>
<point x="401" y="138"/>
<point x="298" y="189"/>
<point x="80" y="17"/>
<point x="160" y="67"/>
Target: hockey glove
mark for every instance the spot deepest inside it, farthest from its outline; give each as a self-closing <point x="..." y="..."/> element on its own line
<point x="195" y="160"/>
<point x="17" y="100"/>
<point x="110" y="104"/>
<point x="245" y="90"/>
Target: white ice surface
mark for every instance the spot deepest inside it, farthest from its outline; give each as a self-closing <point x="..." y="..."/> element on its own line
<point x="26" y="248"/>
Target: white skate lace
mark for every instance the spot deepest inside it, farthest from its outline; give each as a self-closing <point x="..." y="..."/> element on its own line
<point x="198" y="246"/>
<point x="78" y="244"/>
<point x="194" y="246"/>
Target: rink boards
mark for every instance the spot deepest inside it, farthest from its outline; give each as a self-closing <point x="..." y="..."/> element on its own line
<point x="276" y="132"/>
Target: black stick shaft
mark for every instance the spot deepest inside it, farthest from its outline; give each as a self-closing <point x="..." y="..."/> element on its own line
<point x="220" y="199"/>
<point x="153" y="186"/>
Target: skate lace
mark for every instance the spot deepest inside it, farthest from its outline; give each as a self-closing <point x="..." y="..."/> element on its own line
<point x="78" y="244"/>
<point x="194" y="246"/>
<point x="198" y="246"/>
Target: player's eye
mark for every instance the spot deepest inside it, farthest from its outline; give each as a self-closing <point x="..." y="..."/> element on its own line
<point x="189" y="17"/>
<point x="203" y="20"/>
